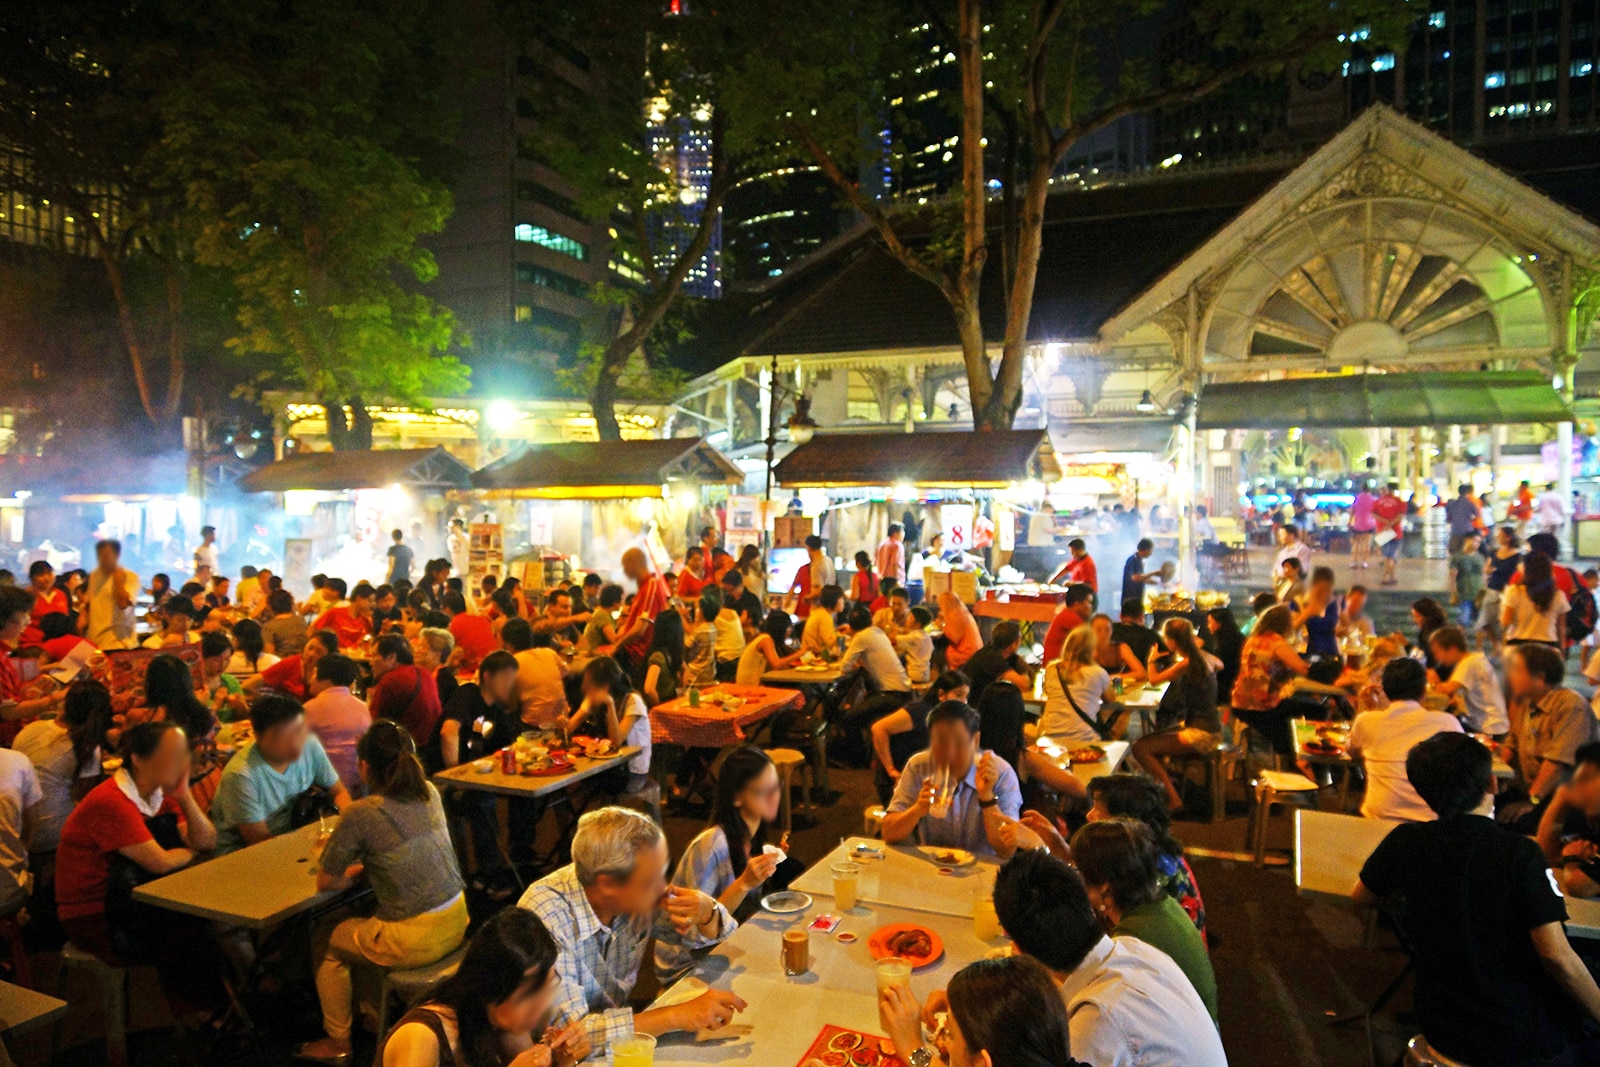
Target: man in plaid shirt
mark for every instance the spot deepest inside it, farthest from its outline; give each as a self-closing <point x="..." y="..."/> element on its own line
<point x="600" y="910"/>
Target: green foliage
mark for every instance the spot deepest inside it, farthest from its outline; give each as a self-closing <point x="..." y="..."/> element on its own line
<point x="305" y="177"/>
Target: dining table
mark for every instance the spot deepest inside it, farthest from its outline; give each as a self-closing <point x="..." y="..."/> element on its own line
<point x="784" y="1014"/>
<point x="491" y="779"/>
<point x="1338" y="734"/>
<point x="904" y="876"/>
<point x="720" y="718"/>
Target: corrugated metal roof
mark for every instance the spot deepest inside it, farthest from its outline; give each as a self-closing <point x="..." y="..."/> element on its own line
<point x="575" y="465"/>
<point x="418" y="468"/>
<point x="964" y="458"/>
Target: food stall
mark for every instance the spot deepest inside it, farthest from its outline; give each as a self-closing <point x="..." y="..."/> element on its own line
<point x="584" y="503"/>
<point x="339" y="507"/>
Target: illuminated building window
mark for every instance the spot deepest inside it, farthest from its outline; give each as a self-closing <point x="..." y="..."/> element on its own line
<point x="556" y="242"/>
<point x="1436" y="20"/>
<point x="1495" y="79"/>
<point x="524" y="313"/>
<point x="551" y="279"/>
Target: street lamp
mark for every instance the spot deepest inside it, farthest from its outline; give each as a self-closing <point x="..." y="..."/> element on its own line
<point x="801" y="426"/>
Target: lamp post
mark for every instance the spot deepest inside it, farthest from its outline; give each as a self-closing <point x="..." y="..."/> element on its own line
<point x="800" y="425"/>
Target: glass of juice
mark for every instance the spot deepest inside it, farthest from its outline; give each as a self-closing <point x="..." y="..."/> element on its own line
<point x="845" y="882"/>
<point x="893" y="971"/>
<point x="636" y="1051"/>
<point x="985" y="922"/>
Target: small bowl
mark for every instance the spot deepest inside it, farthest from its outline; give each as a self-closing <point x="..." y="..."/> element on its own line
<point x="482" y="766"/>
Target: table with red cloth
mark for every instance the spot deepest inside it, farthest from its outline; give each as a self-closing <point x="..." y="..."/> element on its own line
<point x="674" y="722"/>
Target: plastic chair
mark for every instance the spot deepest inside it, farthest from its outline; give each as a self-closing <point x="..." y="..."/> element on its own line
<point x="1420" y="1054"/>
<point x="411" y="985"/>
<point x="11" y="930"/>
<point x="114" y="995"/>
<point x="1274" y="787"/>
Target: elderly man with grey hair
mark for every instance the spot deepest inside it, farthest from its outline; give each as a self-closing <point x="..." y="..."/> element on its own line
<point x="600" y="910"/>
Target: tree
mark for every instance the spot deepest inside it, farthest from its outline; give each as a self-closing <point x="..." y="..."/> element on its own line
<point x="1043" y="74"/>
<point x="302" y="145"/>
<point x="78" y="119"/>
<point x="667" y="91"/>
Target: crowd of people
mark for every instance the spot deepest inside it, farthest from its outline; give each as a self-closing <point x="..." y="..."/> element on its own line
<point x="259" y="712"/>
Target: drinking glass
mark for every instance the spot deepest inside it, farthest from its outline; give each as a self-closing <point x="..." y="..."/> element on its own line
<point x="636" y="1051"/>
<point x="845" y="884"/>
<point x="940" y="807"/>
<point x="796" y="952"/>
<point x="985" y="921"/>
<point x="893" y="971"/>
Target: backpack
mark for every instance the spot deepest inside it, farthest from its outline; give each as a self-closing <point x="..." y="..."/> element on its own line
<point x="1582" y="614"/>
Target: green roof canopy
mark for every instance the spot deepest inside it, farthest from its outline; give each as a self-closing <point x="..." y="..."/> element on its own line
<point x="1360" y="400"/>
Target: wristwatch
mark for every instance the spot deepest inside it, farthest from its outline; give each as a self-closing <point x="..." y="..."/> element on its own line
<point x="922" y="1057"/>
<point x="991" y="802"/>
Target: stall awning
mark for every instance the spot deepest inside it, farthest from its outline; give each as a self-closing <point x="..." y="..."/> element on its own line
<point x="1074" y="437"/>
<point x="414" y="468"/>
<point x="1483" y="398"/>
<point x="932" y="460"/>
<point x="600" y="470"/>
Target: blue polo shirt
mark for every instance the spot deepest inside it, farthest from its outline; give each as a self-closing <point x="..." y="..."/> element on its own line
<point x="963" y="827"/>
<point x="252" y="790"/>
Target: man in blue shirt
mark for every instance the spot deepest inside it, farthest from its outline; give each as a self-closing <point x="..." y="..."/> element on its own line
<point x="957" y="794"/>
<point x="255" y="799"/>
<point x="1134" y="576"/>
<point x="1462" y="515"/>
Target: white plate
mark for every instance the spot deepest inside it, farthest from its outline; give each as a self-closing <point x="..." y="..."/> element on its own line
<point x="786" y="902"/>
<point x="941" y="856"/>
<point x="683" y="991"/>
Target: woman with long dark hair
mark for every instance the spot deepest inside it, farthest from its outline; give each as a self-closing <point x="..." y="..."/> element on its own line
<point x="768" y="650"/>
<point x="663" y="664"/>
<point x="1133" y="796"/>
<point x="397" y="839"/>
<point x="65" y="752"/>
<point x="1003" y="1013"/>
<point x="1429" y="616"/>
<point x="1534" y="611"/>
<point x="754" y="571"/>
<point x="613" y="710"/>
<point x="727" y="860"/>
<point x="1225" y="641"/>
<point x="250" y="655"/>
<point x="1001" y="715"/>
<point x="1192" y="696"/>
<point x="485" y="1015"/>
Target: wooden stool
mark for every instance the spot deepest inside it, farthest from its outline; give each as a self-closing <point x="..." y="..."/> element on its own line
<point x="1268" y="789"/>
<point x="1420" y="1054"/>
<point x="413" y="984"/>
<point x="114" y="995"/>
<point x="786" y="760"/>
<point x="11" y="930"/>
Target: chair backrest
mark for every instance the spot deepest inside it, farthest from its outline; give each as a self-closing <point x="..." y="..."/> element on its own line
<point x="1329" y="849"/>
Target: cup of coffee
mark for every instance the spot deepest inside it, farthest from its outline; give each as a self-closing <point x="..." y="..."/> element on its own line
<point x="796" y="952"/>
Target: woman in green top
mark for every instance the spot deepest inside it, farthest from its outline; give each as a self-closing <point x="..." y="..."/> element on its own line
<point x="1119" y="864"/>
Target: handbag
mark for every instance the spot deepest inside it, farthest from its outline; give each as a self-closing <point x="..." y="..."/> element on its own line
<point x="1102" y="730"/>
<point x="312" y="806"/>
<point x="133" y="926"/>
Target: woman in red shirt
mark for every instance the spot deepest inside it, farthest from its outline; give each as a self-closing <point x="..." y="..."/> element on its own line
<point x="47" y="600"/>
<point x="139" y="824"/>
<point x="293" y="674"/>
<point x="14" y="708"/>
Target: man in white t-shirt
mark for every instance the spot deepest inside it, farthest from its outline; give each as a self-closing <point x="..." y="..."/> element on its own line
<point x="20" y="807"/>
<point x="205" y="556"/>
<point x="108" y="620"/>
<point x="1383" y="739"/>
<point x="1474" y="677"/>
<point x="1550" y="511"/>
<point x="1128" y="1004"/>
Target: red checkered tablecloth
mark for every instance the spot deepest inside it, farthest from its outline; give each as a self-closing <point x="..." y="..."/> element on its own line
<point x="710" y="725"/>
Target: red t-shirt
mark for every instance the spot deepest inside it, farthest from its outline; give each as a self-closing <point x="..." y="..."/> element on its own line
<point x="690" y="587"/>
<point x="57" y="648"/>
<point x="802" y="582"/>
<point x="474" y="635"/>
<point x="1083" y="572"/>
<point x="409" y="696"/>
<point x="350" y="630"/>
<point x="52" y="603"/>
<point x="650" y="601"/>
<point x="1064" y="623"/>
<point x="286" y="675"/>
<point x="104" y="822"/>
<point x="1389" y="510"/>
<point x="10" y="676"/>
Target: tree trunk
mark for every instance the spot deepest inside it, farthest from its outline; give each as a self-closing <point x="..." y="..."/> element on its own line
<point x="603" y="397"/>
<point x="130" y="336"/>
<point x="1007" y="395"/>
<point x="360" y="424"/>
<point x="175" y="341"/>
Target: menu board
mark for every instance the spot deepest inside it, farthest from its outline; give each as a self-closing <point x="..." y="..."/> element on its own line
<point x="964" y="584"/>
<point x="935" y="584"/>
<point x="486" y="553"/>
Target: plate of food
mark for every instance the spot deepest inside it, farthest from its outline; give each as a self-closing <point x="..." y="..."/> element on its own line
<point x="1322" y="747"/>
<point x="836" y="1046"/>
<point x="917" y="944"/>
<point x="786" y="903"/>
<point x="948" y="857"/>
<point x="1087" y="754"/>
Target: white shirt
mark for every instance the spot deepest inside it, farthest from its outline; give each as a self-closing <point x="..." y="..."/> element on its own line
<point x="870" y="649"/>
<point x="241" y="669"/>
<point x="456" y="546"/>
<point x="917" y="648"/>
<point x="1088" y="688"/>
<point x="1203" y="530"/>
<point x="730" y="636"/>
<point x="48" y="747"/>
<point x="1480" y="691"/>
<point x="205" y="559"/>
<point x="109" y="626"/>
<point x="1295" y="550"/>
<point x="1592" y="672"/>
<point x="1528" y="623"/>
<point x="1551" y="510"/>
<point x="1383" y="739"/>
<point x="637" y="732"/>
<point x="19" y="791"/>
<point x="1128" y="1005"/>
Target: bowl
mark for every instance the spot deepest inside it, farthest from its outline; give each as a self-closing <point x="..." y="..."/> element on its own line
<point x="482" y="766"/>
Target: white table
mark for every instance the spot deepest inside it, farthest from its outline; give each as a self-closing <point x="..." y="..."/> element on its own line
<point x="786" y="1014"/>
<point x="465" y="776"/>
<point x="22" y="1010"/>
<point x="904" y="878"/>
<point x="1330" y="850"/>
<point x="256" y="888"/>
<point x="1142" y="696"/>
<point x="791" y="676"/>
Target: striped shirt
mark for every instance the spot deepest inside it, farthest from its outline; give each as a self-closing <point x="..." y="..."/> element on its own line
<point x="598" y="964"/>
